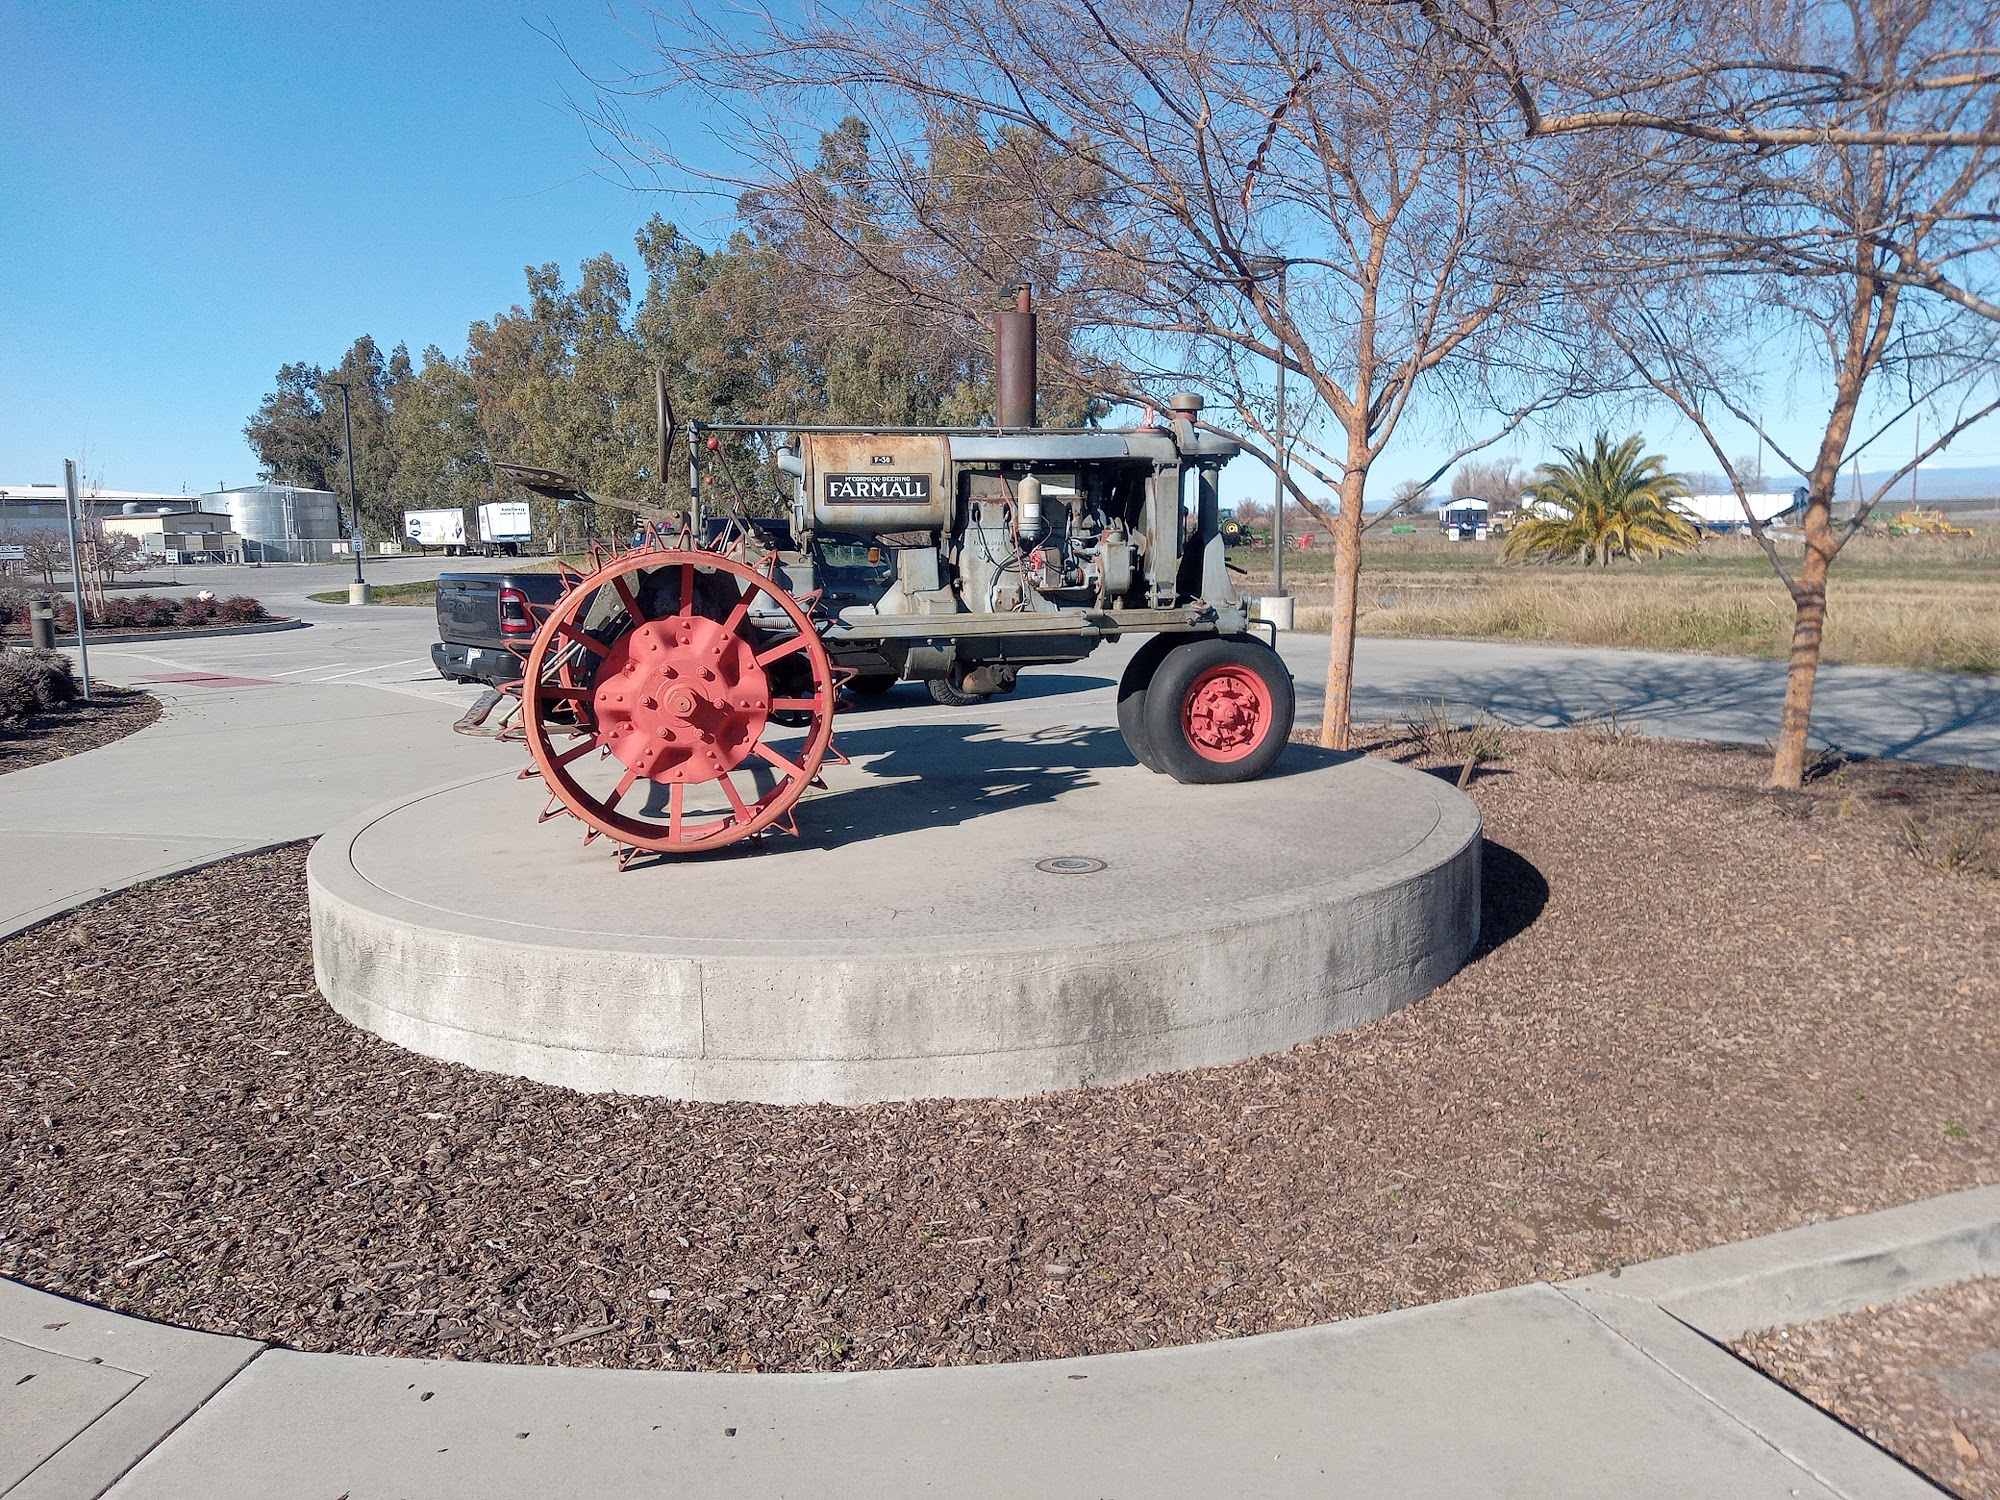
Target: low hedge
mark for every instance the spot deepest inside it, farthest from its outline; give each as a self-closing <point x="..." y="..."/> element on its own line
<point x="139" y="612"/>
<point x="33" y="682"/>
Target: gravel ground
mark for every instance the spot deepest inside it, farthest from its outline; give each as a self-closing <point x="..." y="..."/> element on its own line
<point x="111" y="715"/>
<point x="1703" y="1011"/>
<point x="1920" y="1377"/>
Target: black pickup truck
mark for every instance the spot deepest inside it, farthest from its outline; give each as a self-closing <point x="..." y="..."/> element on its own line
<point x="481" y="615"/>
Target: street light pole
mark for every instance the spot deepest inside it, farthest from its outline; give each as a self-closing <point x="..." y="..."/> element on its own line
<point x="1278" y="507"/>
<point x="357" y="591"/>
<point x="74" y="517"/>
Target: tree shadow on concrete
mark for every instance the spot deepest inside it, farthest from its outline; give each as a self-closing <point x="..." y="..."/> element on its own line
<point x="940" y="775"/>
<point x="1512" y="894"/>
<point x="1874" y="710"/>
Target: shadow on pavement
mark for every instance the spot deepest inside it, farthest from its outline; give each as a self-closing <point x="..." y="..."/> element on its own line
<point x="1874" y="711"/>
<point x="1033" y="684"/>
<point x="939" y="775"/>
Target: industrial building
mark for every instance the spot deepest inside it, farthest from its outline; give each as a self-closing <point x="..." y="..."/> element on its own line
<point x="40" y="507"/>
<point x="255" y="523"/>
<point x="178" y="536"/>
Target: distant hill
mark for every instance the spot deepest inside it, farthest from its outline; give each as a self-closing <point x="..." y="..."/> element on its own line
<point x="1934" y="483"/>
<point x="1970" y="482"/>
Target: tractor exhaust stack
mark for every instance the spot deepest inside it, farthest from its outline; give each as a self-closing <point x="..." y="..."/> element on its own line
<point x="1014" y="365"/>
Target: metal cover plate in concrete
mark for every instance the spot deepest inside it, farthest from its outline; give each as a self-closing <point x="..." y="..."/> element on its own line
<point x="913" y="942"/>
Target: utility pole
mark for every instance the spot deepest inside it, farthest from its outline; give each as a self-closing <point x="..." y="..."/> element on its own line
<point x="358" y="591"/>
<point x="71" y="507"/>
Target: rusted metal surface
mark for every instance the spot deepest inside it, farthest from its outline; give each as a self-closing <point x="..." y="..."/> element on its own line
<point x="867" y="482"/>
<point x="1014" y="365"/>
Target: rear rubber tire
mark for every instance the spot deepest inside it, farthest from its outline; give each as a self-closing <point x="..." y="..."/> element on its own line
<point x="1237" y="693"/>
<point x="951" y="697"/>
<point x="1132" y="685"/>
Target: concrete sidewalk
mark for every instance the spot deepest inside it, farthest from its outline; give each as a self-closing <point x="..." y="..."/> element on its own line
<point x="1612" y="1386"/>
<point x="225" y="770"/>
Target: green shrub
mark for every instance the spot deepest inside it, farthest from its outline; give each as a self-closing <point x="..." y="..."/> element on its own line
<point x="33" y="682"/>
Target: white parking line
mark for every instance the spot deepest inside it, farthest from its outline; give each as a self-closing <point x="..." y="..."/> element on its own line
<point x="317" y="667"/>
<point x="381" y="666"/>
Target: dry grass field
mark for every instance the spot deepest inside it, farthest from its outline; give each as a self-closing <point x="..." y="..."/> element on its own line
<point x="1927" y="602"/>
<point x="1894" y="601"/>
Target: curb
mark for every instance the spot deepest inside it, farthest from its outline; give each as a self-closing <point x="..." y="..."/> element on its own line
<point x="245" y="1397"/>
<point x="1831" y="1452"/>
<point x="122" y="637"/>
<point x="9" y="930"/>
<point x="1820" y="1270"/>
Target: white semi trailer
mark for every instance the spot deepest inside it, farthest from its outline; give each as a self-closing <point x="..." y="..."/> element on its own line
<point x="505" y="527"/>
<point x="436" y="528"/>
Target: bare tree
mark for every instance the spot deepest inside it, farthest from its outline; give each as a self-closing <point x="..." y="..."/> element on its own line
<point x="45" y="551"/>
<point x="1499" y="482"/>
<point x="1802" y="239"/>
<point x="1209" y="191"/>
<point x="1755" y="74"/>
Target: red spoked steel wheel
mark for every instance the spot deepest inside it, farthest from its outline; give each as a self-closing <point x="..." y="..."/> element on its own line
<point x="1227" y="712"/>
<point x="679" y="698"/>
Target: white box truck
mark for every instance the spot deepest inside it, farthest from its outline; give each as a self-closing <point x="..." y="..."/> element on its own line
<point x="436" y="528"/>
<point x="505" y="527"/>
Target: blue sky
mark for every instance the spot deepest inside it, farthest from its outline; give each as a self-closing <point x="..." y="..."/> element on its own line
<point x="195" y="194"/>
<point x="198" y="193"/>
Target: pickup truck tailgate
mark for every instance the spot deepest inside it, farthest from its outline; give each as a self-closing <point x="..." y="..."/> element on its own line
<point x="468" y="609"/>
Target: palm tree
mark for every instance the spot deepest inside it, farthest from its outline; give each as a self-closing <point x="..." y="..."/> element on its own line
<point x="1614" y="502"/>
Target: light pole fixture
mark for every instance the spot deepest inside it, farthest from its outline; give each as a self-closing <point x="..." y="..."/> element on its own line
<point x="358" y="591"/>
<point x="1278" y="268"/>
<point x="1278" y="504"/>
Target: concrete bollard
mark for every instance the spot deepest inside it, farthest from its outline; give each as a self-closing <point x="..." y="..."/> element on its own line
<point x="41" y="625"/>
<point x="360" y="593"/>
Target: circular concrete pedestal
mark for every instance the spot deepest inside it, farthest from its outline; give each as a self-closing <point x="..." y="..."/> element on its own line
<point x="968" y="913"/>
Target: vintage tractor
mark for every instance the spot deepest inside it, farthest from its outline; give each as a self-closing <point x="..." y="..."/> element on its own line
<point x="681" y="697"/>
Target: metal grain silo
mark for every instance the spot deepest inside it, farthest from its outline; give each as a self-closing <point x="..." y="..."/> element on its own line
<point x="281" y="522"/>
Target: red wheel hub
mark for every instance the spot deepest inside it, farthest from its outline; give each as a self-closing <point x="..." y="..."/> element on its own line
<point x="1227" y="713"/>
<point x="681" y="699"/>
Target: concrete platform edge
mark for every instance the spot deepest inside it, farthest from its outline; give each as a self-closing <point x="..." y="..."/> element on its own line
<point x="839" y="1020"/>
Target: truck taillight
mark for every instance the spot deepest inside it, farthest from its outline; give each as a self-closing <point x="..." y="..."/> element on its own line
<point x="514" y="613"/>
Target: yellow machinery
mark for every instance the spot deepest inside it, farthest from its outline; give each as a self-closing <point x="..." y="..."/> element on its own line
<point x="1925" y="523"/>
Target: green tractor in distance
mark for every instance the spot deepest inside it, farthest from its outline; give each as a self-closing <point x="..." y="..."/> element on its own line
<point x="1251" y="536"/>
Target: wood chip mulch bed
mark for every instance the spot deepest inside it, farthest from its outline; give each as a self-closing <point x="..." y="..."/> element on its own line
<point x="111" y="714"/>
<point x="1702" y="1011"/>
<point x="1920" y="1377"/>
